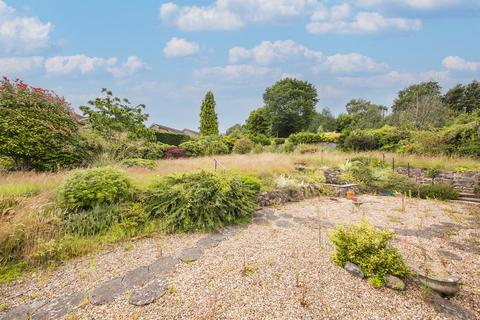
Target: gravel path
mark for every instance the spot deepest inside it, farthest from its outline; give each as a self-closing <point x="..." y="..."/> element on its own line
<point x="279" y="267"/>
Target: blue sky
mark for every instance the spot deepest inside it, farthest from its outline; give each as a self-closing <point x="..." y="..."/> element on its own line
<point x="167" y="55"/>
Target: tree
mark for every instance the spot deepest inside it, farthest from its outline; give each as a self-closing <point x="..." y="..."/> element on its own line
<point x="38" y="130"/>
<point x="365" y="114"/>
<point x="235" y="129"/>
<point x="407" y="97"/>
<point x="323" y="121"/>
<point x="208" y="117"/>
<point x="114" y="117"/>
<point x="463" y="98"/>
<point x="257" y="122"/>
<point x="290" y="106"/>
<point x="424" y="112"/>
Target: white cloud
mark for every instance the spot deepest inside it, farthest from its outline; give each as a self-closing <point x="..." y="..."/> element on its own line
<point x="394" y="79"/>
<point x="282" y="51"/>
<point x="460" y="64"/>
<point x="232" y="14"/>
<point x="180" y="47"/>
<point x="15" y="66"/>
<point x="237" y="72"/>
<point x="415" y="4"/>
<point x="363" y="23"/>
<point x="65" y="65"/>
<point x="133" y="65"/>
<point x="22" y="34"/>
<point x="268" y="52"/>
<point x="352" y="62"/>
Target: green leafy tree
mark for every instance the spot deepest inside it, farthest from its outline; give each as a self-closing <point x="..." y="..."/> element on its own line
<point x="406" y="102"/>
<point x="424" y="112"/>
<point x="114" y="117"/>
<point x="208" y="117"/>
<point x="323" y="121"/>
<point x="463" y="98"/>
<point x="257" y="122"/>
<point x="236" y="129"/>
<point x="290" y="106"/>
<point x="365" y="114"/>
<point x="38" y="130"/>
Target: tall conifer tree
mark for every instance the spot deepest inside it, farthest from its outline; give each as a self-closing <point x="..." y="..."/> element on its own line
<point x="208" y="117"/>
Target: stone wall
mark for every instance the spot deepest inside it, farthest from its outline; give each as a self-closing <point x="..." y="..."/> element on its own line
<point x="464" y="181"/>
<point x="460" y="180"/>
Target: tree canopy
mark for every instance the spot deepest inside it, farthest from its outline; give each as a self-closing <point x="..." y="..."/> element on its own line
<point x="257" y="122"/>
<point x="290" y="106"/>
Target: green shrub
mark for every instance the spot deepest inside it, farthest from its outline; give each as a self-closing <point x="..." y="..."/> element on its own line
<point x="278" y="141"/>
<point x="201" y="200"/>
<point x="438" y="191"/>
<point x="361" y="140"/>
<point x="92" y="221"/>
<point x="252" y="182"/>
<point x="173" y="139"/>
<point x="330" y="137"/>
<point x="370" y="249"/>
<point x="132" y="218"/>
<point x="136" y="162"/>
<point x="205" y="146"/>
<point x="259" y="139"/>
<point x="243" y="146"/>
<point x="306" y="148"/>
<point x="305" y="138"/>
<point x="92" y="187"/>
<point x="370" y="161"/>
<point x="288" y="147"/>
<point x="398" y="183"/>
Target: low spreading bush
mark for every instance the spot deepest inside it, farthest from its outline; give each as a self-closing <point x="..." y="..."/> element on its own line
<point x="243" y="146"/>
<point x="370" y="249"/>
<point x="205" y="146"/>
<point x="305" y="138"/>
<point x="88" y="188"/>
<point x="92" y="221"/>
<point x="398" y="183"/>
<point x="330" y="137"/>
<point x="439" y="191"/>
<point x="201" y="200"/>
<point x="136" y="162"/>
<point x="259" y="139"/>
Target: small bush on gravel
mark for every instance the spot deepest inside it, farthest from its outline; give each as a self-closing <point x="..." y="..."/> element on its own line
<point x="201" y="201"/>
<point x="438" y="191"/>
<point x="370" y="249"/>
<point x="243" y="146"/>
<point x="136" y="162"/>
<point x="85" y="189"/>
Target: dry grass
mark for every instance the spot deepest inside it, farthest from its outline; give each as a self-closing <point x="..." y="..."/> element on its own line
<point x="262" y="165"/>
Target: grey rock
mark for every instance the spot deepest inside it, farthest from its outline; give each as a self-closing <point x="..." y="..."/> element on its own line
<point x="271" y="216"/>
<point x="148" y="293"/>
<point x="59" y="307"/>
<point x="354" y="270"/>
<point x="163" y="266"/>
<point x="137" y="277"/>
<point x="283" y="224"/>
<point x="449" y="309"/>
<point x="23" y="311"/>
<point x="395" y="283"/>
<point x="191" y="254"/>
<point x="207" y="243"/>
<point x="261" y="221"/>
<point x="107" y="292"/>
<point x="218" y="236"/>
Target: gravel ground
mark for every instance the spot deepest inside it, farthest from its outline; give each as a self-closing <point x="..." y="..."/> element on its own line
<point x="280" y="267"/>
